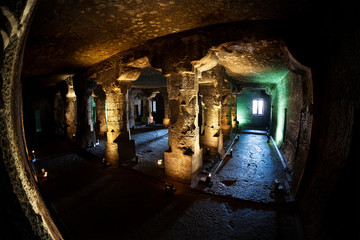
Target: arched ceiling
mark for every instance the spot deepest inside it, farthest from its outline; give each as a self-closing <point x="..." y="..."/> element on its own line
<point x="69" y="35"/>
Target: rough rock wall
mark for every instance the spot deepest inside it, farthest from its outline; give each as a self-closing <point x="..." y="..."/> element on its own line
<point x="23" y="213"/>
<point x="329" y="202"/>
<point x="287" y="104"/>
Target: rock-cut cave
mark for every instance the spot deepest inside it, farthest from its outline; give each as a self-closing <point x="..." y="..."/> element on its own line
<point x="154" y="119"/>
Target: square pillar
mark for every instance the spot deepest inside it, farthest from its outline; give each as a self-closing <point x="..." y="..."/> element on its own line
<point x="146" y="97"/>
<point x="99" y="99"/>
<point x="85" y="134"/>
<point x="70" y="110"/>
<point x="118" y="146"/>
<point x="211" y="136"/>
<point x="164" y="94"/>
<point x="184" y="157"/>
<point x="228" y="113"/>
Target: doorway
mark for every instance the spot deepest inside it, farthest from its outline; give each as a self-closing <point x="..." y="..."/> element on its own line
<point x="253" y="109"/>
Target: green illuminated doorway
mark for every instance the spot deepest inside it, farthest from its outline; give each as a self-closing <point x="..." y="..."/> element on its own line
<point x="253" y="109"/>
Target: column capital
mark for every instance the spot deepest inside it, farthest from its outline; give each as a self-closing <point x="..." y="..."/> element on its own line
<point x="117" y="86"/>
<point x="147" y="94"/>
<point x="84" y="86"/>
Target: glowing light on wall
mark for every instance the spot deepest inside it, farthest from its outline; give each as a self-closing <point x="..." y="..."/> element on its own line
<point x="93" y="111"/>
<point x="279" y="134"/>
<point x="241" y="111"/>
<point x="280" y="102"/>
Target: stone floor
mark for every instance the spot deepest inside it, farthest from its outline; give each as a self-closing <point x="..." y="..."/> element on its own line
<point x="150" y="147"/>
<point x="250" y="172"/>
<point x="92" y="202"/>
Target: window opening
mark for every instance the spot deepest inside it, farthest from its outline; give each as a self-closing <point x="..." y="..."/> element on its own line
<point x="154" y="106"/>
<point x="258" y="107"/>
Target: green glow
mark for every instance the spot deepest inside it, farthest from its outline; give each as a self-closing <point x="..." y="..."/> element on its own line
<point x="279" y="134"/>
<point x="242" y="110"/>
<point x="273" y="77"/>
<point x="280" y="103"/>
<point x="93" y="111"/>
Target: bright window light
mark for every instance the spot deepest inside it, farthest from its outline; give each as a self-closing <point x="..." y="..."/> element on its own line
<point x="154" y="106"/>
<point x="258" y="107"/>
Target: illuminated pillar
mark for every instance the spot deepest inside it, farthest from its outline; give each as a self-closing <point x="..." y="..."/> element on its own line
<point x="100" y="125"/>
<point x="210" y="91"/>
<point x="184" y="157"/>
<point x="228" y="112"/>
<point x="211" y="136"/>
<point x="70" y="110"/>
<point x="118" y="146"/>
<point x="85" y="134"/>
<point x="131" y="105"/>
<point x="164" y="94"/>
<point x="146" y="97"/>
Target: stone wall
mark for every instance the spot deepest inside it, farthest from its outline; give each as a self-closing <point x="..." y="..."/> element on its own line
<point x="23" y="212"/>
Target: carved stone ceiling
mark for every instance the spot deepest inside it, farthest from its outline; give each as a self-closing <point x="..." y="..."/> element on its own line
<point x="253" y="62"/>
<point x="69" y="35"/>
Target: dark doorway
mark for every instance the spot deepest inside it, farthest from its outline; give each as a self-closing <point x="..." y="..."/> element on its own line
<point x="157" y="108"/>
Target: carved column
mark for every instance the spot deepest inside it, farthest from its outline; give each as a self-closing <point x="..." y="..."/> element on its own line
<point x="116" y="83"/>
<point x="212" y="136"/>
<point x="164" y="94"/>
<point x="100" y="125"/>
<point x="184" y="157"/>
<point x="210" y="91"/>
<point x="118" y="146"/>
<point x="70" y="110"/>
<point x="132" y="100"/>
<point x="85" y="134"/>
<point x="146" y="96"/>
<point x="228" y="112"/>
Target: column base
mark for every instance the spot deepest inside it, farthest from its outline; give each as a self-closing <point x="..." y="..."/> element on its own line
<point x="212" y="139"/>
<point x="182" y="166"/>
<point x="126" y="150"/>
<point x="119" y="152"/>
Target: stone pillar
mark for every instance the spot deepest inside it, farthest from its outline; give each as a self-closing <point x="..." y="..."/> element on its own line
<point x="118" y="146"/>
<point x="210" y="91"/>
<point x="59" y="115"/>
<point x="132" y="99"/>
<point x="85" y="134"/>
<point x="146" y="96"/>
<point x="212" y="136"/>
<point x="100" y="125"/>
<point x="164" y="94"/>
<point x="228" y="112"/>
<point x="70" y="110"/>
<point x="184" y="157"/>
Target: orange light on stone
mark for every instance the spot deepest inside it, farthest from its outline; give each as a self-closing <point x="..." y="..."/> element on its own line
<point x="166" y="122"/>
